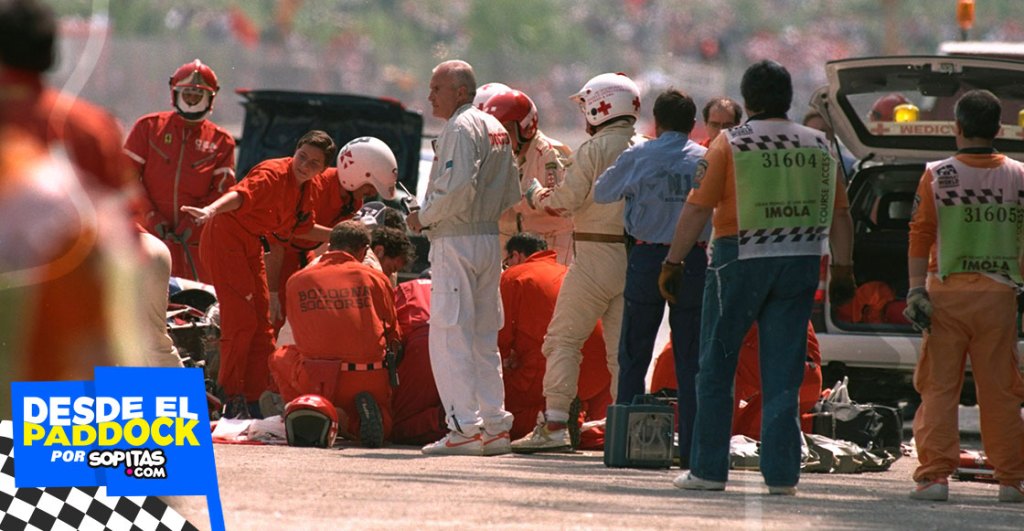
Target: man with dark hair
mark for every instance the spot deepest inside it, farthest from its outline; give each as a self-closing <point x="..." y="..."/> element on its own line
<point x="272" y="201"/>
<point x="529" y="289"/>
<point x="771" y="177"/>
<point x="767" y="90"/>
<point x="720" y="114"/>
<point x="392" y="249"/>
<point x="520" y="246"/>
<point x="353" y="238"/>
<point x="336" y="297"/>
<point x="472" y="181"/>
<point x="966" y="311"/>
<point x="390" y="217"/>
<point x="654" y="178"/>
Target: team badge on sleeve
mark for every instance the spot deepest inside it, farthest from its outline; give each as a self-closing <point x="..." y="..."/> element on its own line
<point x="698" y="176"/>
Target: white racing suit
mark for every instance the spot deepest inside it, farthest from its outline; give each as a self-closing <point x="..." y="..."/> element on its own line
<point x="593" y="286"/>
<point x="473" y="180"/>
<point x="541" y="158"/>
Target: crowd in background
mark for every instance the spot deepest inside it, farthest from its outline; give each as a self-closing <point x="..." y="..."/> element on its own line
<point x="549" y="48"/>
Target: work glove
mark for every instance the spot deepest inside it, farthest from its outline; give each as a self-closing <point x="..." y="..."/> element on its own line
<point x="531" y="193"/>
<point x="842" y="285"/>
<point x="275" y="308"/>
<point x="919" y="309"/>
<point x="668" y="280"/>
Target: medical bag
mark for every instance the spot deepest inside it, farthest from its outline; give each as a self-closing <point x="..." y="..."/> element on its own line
<point x="639" y="435"/>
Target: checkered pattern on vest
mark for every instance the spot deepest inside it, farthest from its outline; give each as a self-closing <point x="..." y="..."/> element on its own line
<point x="790" y="234"/>
<point x="765" y="142"/>
<point x="971" y="197"/>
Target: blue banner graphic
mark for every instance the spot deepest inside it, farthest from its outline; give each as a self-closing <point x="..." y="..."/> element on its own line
<point x="137" y="431"/>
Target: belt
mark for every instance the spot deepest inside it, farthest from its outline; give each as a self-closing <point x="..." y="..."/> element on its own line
<point x="596" y="237"/>
<point x="362" y="366"/>
<point x="641" y="242"/>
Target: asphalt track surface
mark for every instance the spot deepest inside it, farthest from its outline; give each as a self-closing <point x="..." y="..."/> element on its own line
<point x="274" y="487"/>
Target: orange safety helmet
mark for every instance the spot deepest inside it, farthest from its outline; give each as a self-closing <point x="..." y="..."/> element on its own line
<point x="311" y="420"/>
<point x="193" y="75"/>
<point x="514" y="106"/>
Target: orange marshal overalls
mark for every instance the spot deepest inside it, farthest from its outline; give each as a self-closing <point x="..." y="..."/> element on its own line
<point x="272" y="202"/>
<point x="528" y="292"/>
<point x="180" y="163"/>
<point x="340" y="311"/>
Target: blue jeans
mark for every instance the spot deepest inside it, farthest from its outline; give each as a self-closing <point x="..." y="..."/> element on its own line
<point x="778" y="293"/>
<point x="641" y="317"/>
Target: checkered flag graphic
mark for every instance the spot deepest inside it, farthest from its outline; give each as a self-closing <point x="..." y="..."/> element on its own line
<point x="971" y="197"/>
<point x="796" y="235"/>
<point x="764" y="142"/>
<point x="68" y="509"/>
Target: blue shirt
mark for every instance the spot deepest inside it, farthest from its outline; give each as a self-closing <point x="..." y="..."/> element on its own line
<point x="654" y="178"/>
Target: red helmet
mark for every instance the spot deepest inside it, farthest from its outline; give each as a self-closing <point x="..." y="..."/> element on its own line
<point x="311" y="420"/>
<point x="193" y="76"/>
<point x="884" y="108"/>
<point x="514" y="106"/>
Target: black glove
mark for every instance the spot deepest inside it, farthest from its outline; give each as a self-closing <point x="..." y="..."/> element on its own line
<point x="842" y="285"/>
<point x="919" y="309"/>
<point x="668" y="280"/>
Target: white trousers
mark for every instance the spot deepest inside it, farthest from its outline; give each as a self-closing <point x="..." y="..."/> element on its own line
<point x="592" y="290"/>
<point x="465" y="316"/>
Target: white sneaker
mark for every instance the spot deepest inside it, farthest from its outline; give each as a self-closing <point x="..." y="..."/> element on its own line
<point x="456" y="443"/>
<point x="688" y="481"/>
<point x="498" y="444"/>
<point x="1012" y="493"/>
<point x="931" y="490"/>
<point x="541" y="439"/>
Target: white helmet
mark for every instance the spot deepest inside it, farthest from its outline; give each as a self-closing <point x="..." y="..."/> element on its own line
<point x="368" y="160"/>
<point x="485" y="91"/>
<point x="608" y="96"/>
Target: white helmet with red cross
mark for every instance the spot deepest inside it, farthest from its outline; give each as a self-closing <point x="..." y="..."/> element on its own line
<point x="193" y="87"/>
<point x="608" y="96"/>
<point x="485" y="91"/>
<point x="368" y="160"/>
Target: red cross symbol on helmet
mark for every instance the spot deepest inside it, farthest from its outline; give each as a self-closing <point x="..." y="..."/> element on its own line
<point x="636" y="104"/>
<point x="604" y="107"/>
<point x="348" y="159"/>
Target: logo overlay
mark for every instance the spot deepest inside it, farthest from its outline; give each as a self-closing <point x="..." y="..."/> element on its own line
<point x="136" y="431"/>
